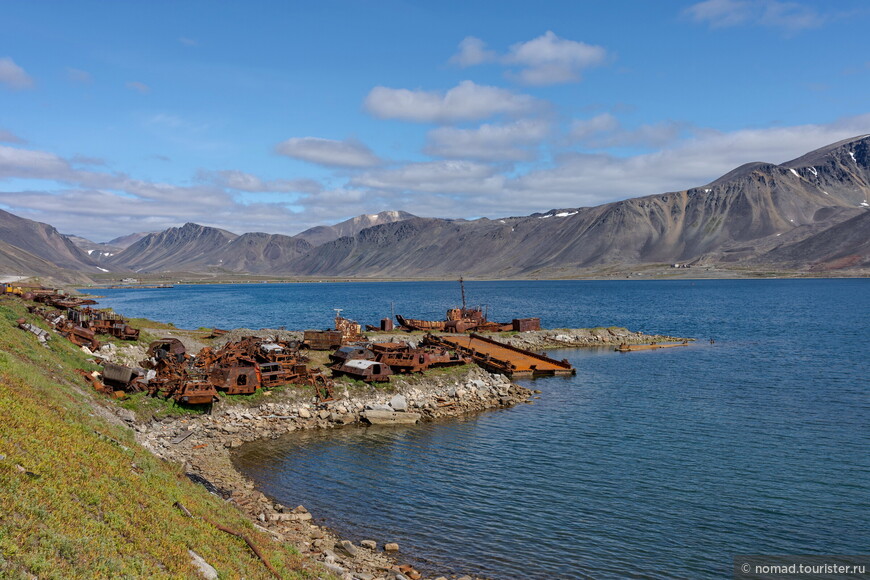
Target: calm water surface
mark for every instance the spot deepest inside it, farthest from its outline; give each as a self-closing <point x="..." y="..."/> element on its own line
<point x="645" y="465"/>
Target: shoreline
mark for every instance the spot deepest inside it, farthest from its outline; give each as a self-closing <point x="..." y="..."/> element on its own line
<point x="660" y="274"/>
<point x="203" y="444"/>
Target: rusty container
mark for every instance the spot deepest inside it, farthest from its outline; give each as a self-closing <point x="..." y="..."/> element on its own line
<point x="526" y="324"/>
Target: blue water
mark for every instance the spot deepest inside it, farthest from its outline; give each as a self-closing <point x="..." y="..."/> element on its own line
<point x="659" y="464"/>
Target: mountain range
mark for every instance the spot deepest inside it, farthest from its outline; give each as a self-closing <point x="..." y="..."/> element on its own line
<point x="811" y="213"/>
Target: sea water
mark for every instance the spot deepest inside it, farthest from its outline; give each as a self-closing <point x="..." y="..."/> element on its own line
<point x="652" y="464"/>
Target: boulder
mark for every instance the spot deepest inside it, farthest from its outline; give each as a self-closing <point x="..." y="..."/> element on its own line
<point x="370" y="544"/>
<point x="205" y="569"/>
<point x="304" y="413"/>
<point x="346" y="547"/>
<point x="391" y="547"/>
<point x="399" y="403"/>
<point x="389" y="417"/>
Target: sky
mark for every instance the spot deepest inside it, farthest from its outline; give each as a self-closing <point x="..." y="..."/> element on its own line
<point x="122" y="117"/>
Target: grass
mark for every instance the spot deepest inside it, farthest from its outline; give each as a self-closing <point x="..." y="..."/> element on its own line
<point x="80" y="499"/>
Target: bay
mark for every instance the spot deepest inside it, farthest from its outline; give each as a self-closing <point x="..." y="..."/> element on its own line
<point x="659" y="464"/>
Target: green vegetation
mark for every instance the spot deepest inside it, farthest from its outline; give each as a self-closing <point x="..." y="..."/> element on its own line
<point x="80" y="499"/>
<point x="147" y="407"/>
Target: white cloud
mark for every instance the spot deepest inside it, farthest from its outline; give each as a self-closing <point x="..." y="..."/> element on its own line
<point x="582" y="129"/>
<point x="508" y="142"/>
<point x="549" y="59"/>
<point x="99" y="203"/>
<point x="13" y="76"/>
<point x="79" y="76"/>
<point x="472" y="51"/>
<point x="8" y="137"/>
<point x="139" y="87"/>
<point x="242" y="181"/>
<point x="465" y="102"/>
<point x="605" y="130"/>
<point x="26" y="163"/>
<point x="349" y="153"/>
<point x="432" y="177"/>
<point x="790" y="16"/>
<point x="188" y="41"/>
<point x="599" y="178"/>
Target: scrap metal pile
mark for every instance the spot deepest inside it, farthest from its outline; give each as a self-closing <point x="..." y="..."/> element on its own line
<point x="376" y="362"/>
<point x="80" y="325"/>
<point x="237" y="368"/>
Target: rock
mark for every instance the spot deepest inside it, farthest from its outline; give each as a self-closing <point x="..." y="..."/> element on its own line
<point x="126" y="415"/>
<point x="370" y="544"/>
<point x="399" y="403"/>
<point x="205" y="569"/>
<point x="389" y="417"/>
<point x="347" y="547"/>
<point x="304" y="413"/>
<point x="378" y="407"/>
<point x="334" y="568"/>
<point x="391" y="547"/>
<point x="363" y="576"/>
<point x="290" y="517"/>
<point x="301" y="509"/>
<point x="324" y="414"/>
<point x="234" y="443"/>
<point x="262" y="517"/>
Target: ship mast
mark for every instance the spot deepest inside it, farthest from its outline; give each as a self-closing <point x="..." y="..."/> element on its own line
<point x="462" y="289"/>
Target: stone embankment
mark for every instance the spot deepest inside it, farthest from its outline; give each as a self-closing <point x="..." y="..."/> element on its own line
<point x="581" y="337"/>
<point x="203" y="445"/>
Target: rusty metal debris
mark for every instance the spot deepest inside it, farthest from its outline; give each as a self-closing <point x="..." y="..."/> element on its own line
<point x="368" y="371"/>
<point x="465" y="319"/>
<point x="624" y="347"/>
<point x="322" y="339"/>
<point x="249" y="364"/>
<point x="502" y="358"/>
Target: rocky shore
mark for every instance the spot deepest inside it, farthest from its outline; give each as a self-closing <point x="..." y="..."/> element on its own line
<point x="202" y="444"/>
<point x="582" y="337"/>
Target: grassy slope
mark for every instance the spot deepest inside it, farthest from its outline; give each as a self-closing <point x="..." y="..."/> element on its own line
<point x="92" y="503"/>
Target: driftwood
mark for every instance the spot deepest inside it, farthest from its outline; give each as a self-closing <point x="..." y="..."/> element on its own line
<point x="227" y="530"/>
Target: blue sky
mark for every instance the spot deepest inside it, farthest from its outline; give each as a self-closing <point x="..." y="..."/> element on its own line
<point x="119" y="117"/>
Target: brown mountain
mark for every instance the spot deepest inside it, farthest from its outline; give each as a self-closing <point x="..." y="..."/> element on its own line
<point x="322" y="234"/>
<point x="125" y="242"/>
<point x="259" y="253"/>
<point x="740" y="216"/>
<point x="175" y="249"/>
<point x="16" y="262"/>
<point x="43" y="241"/>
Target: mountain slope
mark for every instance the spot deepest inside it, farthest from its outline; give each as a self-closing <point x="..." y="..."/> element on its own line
<point x="844" y="245"/>
<point x="259" y="253"/>
<point x="322" y="234"/>
<point x="44" y="241"/>
<point x="739" y="216"/>
<point x="172" y="249"/>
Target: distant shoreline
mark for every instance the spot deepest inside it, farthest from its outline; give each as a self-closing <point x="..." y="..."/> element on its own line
<point x="166" y="281"/>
